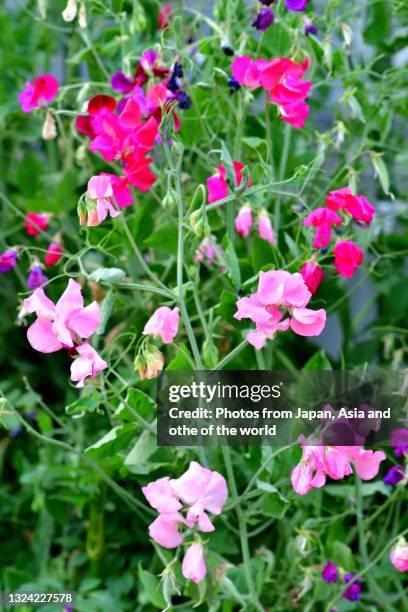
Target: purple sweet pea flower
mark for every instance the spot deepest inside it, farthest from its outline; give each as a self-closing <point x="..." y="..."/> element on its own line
<point x="399" y="440"/>
<point x="264" y="19"/>
<point x="267" y="2"/>
<point x="120" y="82"/>
<point x="7" y="260"/>
<point x="394" y="475"/>
<point x="310" y="28"/>
<point x="353" y="592"/>
<point x="329" y="572"/>
<point x="296" y="5"/>
<point x="36" y="278"/>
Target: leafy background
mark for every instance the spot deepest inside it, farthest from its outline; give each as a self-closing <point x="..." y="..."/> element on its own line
<point x="72" y="515"/>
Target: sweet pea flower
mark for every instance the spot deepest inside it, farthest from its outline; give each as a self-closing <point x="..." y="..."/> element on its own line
<point x="347" y="258"/>
<point x="87" y="365"/>
<point x="164" y="16"/>
<point x="312" y="275"/>
<point x="149" y="363"/>
<point x="322" y="219"/>
<point x="36" y="278"/>
<point x="121" y="190"/>
<point x="40" y="93"/>
<point x="54" y="254"/>
<point x="165" y="529"/>
<point x="36" y="223"/>
<point x="399" y="555"/>
<point x="263" y="20"/>
<point x="353" y="592"/>
<point x="310" y="28"/>
<point x="194" y="567"/>
<point x="265" y="229"/>
<point x="8" y="260"/>
<point x="209" y="252"/>
<point x="296" y="5"/>
<point x="280" y="294"/>
<point x="399" y="441"/>
<point x="61" y="325"/>
<point x="243" y="220"/>
<point x="99" y="201"/>
<point x="394" y="475"/>
<point x="330" y="573"/>
<point x="161" y="496"/>
<point x="163" y="324"/>
<point x="245" y="72"/>
<point x="217" y="185"/>
<point x="357" y="206"/>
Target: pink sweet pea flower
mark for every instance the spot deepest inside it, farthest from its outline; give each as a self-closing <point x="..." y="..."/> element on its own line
<point x="194" y="567"/>
<point x="54" y="254"/>
<point x="149" y="362"/>
<point x="209" y="252"/>
<point x="35" y="223"/>
<point x="165" y="530"/>
<point x="338" y="199"/>
<point x="245" y="71"/>
<point x="366" y="462"/>
<point x="161" y="496"/>
<point x="121" y="190"/>
<point x="217" y="185"/>
<point x="265" y="229"/>
<point x="8" y="260"/>
<point x="399" y="555"/>
<point x="295" y="114"/>
<point x="164" y="16"/>
<point x="347" y="258"/>
<point x="322" y="219"/>
<point x="62" y="324"/>
<point x="100" y="193"/>
<point x="357" y="206"/>
<point x="307" y="322"/>
<point x="40" y="93"/>
<point x="312" y="274"/>
<point x="243" y="220"/>
<point x="88" y="364"/>
<point x="163" y="324"/>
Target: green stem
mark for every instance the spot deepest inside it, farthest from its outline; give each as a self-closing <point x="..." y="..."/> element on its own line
<point x="231" y="355"/>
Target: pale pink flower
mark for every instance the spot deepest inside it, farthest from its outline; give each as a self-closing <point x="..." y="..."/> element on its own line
<point x="347" y="258"/>
<point x="243" y="220"/>
<point x="209" y="251"/>
<point x="194" y="567"/>
<point x="163" y="324"/>
<point x="100" y="192"/>
<point x="165" y="530"/>
<point x="161" y="496"/>
<point x="62" y="324"/>
<point x="307" y="322"/>
<point x="88" y="364"/>
<point x="149" y="362"/>
<point x="265" y="227"/>
<point x="399" y="555"/>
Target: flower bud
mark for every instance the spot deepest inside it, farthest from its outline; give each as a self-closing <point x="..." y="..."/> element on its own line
<point x="49" y="130"/>
<point x="170" y="199"/>
<point x="70" y="11"/>
<point x="149" y="362"/>
<point x="347" y="35"/>
<point x="399" y="555"/>
<point x="82" y="20"/>
<point x="312" y="275"/>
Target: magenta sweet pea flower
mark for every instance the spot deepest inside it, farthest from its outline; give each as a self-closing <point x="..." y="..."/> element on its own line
<point x="243" y="220"/>
<point x="54" y="254"/>
<point x="87" y="365"/>
<point x="40" y="93"/>
<point x="194" y="567"/>
<point x="399" y="441"/>
<point x="357" y="206"/>
<point x="120" y="82"/>
<point x="399" y="555"/>
<point x="312" y="275"/>
<point x="323" y="220"/>
<point x="163" y="324"/>
<point x="36" y="223"/>
<point x="63" y="324"/>
<point x="353" y="592"/>
<point x="265" y="229"/>
<point x="296" y="5"/>
<point x="330" y="572"/>
<point x="36" y="278"/>
<point x="394" y="475"/>
<point x="217" y="185"/>
<point x="280" y="294"/>
<point x="347" y="258"/>
<point x="121" y="190"/>
<point x="8" y="260"/>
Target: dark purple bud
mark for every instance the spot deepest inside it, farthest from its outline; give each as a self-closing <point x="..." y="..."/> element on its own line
<point x="7" y="260"/>
<point x="296" y="5"/>
<point x="173" y="84"/>
<point x="353" y="592"/>
<point x="264" y="19"/>
<point x="399" y="440"/>
<point x="233" y="85"/>
<point x="17" y="431"/>
<point x="184" y="101"/>
<point x="310" y="29"/>
<point x="120" y="82"/>
<point x="324" y="250"/>
<point x="329" y="572"/>
<point x="227" y="50"/>
<point x="32" y="416"/>
<point x="394" y="475"/>
<point x="36" y="278"/>
<point x="177" y="70"/>
<point x="267" y="2"/>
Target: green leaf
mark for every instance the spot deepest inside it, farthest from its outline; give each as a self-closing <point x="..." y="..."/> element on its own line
<point x="139" y="402"/>
<point x="137" y="461"/>
<point x="107" y="275"/>
<point x="164" y="239"/>
<point x="233" y="269"/>
<point x="182" y="359"/>
<point x="115" y="440"/>
<point x="106" y="310"/>
<point x="318" y="361"/>
<point x="89" y="403"/>
<point x="261" y="253"/>
<point x="150" y="589"/>
<point x="273" y="503"/>
<point x="341" y="555"/>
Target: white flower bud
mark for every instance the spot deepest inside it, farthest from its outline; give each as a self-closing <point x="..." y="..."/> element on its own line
<point x="49" y="130"/>
<point x="82" y="17"/>
<point x="70" y="11"/>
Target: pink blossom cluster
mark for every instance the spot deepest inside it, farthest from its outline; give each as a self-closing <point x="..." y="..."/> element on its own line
<point x="347" y="255"/>
<point x="217" y="185"/>
<point x="163" y="324"/>
<point x="319" y="461"/>
<point x="279" y="303"/>
<point x="65" y="325"/>
<point x="282" y="80"/>
<point x="201" y="490"/>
